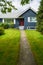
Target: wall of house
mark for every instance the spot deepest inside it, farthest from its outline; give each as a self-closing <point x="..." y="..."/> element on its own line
<point x="1" y="20"/>
<point x="28" y="13"/>
<point x="17" y="23"/>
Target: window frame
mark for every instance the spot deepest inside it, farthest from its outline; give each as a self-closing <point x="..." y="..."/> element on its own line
<point x="8" y="20"/>
<point x="28" y="19"/>
<point x="14" y="21"/>
<point x="33" y="20"/>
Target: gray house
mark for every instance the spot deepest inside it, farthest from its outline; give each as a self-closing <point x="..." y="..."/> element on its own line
<point x="25" y="20"/>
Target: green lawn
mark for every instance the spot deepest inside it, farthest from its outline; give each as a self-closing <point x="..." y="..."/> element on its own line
<point x="36" y="43"/>
<point x="9" y="47"/>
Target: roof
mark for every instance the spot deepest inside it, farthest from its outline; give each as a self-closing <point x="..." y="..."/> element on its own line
<point x="27" y="10"/>
<point x="15" y="14"/>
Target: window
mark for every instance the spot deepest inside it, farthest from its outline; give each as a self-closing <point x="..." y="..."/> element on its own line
<point x="0" y="20"/>
<point x="8" y="21"/>
<point x="33" y="19"/>
<point x="28" y="19"/>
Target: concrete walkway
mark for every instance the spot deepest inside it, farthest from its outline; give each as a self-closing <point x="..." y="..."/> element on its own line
<point x="26" y="56"/>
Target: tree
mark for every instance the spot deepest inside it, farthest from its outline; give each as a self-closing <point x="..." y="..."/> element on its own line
<point x="40" y="18"/>
<point x="6" y="5"/>
<point x="23" y="2"/>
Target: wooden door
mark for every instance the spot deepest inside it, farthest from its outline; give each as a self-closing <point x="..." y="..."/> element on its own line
<point x="21" y="23"/>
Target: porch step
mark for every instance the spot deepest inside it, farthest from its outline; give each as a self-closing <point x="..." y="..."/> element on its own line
<point x="21" y="27"/>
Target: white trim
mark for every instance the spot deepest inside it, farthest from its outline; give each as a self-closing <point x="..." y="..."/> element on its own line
<point x="3" y="20"/>
<point x="14" y="21"/>
<point x="28" y="19"/>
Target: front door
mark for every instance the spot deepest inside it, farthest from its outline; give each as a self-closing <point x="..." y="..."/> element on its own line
<point x="21" y="24"/>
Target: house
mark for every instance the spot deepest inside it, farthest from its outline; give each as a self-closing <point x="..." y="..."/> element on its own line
<point x="25" y="20"/>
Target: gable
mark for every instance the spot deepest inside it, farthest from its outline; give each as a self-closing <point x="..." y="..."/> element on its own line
<point x="28" y="13"/>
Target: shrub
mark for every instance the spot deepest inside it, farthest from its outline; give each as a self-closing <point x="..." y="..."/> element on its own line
<point x="40" y="28"/>
<point x="1" y="30"/>
<point x="11" y="25"/>
<point x="40" y="17"/>
<point x="1" y="25"/>
<point x="6" y="26"/>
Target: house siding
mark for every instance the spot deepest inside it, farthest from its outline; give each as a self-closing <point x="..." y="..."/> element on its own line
<point x="17" y="23"/>
<point x="28" y="13"/>
<point x="1" y="20"/>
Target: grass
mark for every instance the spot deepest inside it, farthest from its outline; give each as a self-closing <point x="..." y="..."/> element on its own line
<point x="9" y="47"/>
<point x="36" y="43"/>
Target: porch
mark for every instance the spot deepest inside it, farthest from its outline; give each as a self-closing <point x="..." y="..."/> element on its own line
<point x="20" y="23"/>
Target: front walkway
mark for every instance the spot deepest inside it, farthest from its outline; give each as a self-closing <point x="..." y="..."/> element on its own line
<point x="26" y="56"/>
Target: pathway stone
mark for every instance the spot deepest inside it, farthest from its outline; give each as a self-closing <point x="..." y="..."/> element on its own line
<point x="26" y="56"/>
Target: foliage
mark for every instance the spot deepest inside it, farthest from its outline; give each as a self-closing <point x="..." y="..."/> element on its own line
<point x="1" y="30"/>
<point x="23" y="2"/>
<point x="5" y="26"/>
<point x="12" y="25"/>
<point x="9" y="47"/>
<point x="40" y="18"/>
<point x="1" y="24"/>
<point x="6" y="6"/>
<point x="36" y="41"/>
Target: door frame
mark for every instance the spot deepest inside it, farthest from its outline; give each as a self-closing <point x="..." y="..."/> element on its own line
<point x="21" y="27"/>
<point x="21" y="22"/>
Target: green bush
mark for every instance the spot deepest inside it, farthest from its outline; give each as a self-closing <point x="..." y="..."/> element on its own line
<point x="1" y="25"/>
<point x="11" y="25"/>
<point x="1" y="30"/>
<point x="6" y="26"/>
<point x="40" y="17"/>
<point x="40" y="28"/>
